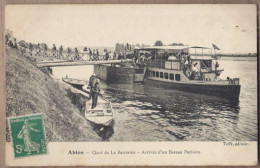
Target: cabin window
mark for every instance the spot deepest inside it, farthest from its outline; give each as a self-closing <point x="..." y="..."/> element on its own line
<point x="205" y="64"/>
<point x="157" y="74"/>
<point x="171" y="76"/>
<point x="177" y="77"/>
<point x="166" y="76"/>
<point x="161" y="74"/>
<point x="139" y="71"/>
<point x="153" y="73"/>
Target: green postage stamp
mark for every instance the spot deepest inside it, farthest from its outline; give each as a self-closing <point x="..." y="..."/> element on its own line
<point x="28" y="135"/>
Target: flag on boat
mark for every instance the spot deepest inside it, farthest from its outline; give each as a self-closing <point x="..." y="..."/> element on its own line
<point x="215" y="47"/>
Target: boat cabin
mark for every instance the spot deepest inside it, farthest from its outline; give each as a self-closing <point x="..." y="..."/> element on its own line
<point x="196" y="63"/>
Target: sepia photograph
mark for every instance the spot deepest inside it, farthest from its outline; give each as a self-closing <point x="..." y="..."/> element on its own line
<point x="130" y="73"/>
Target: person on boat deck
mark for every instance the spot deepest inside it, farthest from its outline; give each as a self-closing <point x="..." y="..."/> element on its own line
<point x="149" y="57"/>
<point x="188" y="58"/>
<point x="95" y="91"/>
<point x="142" y="57"/>
<point x="92" y="81"/>
<point x="195" y="71"/>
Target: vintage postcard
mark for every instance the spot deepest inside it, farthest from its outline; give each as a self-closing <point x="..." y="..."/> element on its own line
<point x="131" y="85"/>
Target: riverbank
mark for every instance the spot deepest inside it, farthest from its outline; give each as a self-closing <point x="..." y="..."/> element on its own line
<point x="31" y="90"/>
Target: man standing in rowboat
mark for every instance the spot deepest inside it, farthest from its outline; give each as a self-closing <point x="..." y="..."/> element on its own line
<point x="95" y="91"/>
<point x="94" y="85"/>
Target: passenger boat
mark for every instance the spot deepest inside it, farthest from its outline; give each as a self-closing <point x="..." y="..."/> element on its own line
<point x="75" y="82"/>
<point x="176" y="68"/>
<point x="102" y="114"/>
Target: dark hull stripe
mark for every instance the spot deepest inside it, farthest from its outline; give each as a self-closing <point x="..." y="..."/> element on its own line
<point x="225" y="91"/>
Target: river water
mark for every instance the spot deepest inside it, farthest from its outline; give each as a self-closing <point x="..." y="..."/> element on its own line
<point x="148" y="113"/>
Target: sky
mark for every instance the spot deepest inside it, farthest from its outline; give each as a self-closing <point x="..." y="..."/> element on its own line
<point x="231" y="27"/>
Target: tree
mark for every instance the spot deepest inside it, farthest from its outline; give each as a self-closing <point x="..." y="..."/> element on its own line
<point x="122" y="48"/>
<point x="117" y="48"/>
<point x="176" y="44"/>
<point x="138" y="45"/>
<point x="158" y="43"/>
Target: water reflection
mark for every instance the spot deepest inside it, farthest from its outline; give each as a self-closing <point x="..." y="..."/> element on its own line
<point x="179" y="113"/>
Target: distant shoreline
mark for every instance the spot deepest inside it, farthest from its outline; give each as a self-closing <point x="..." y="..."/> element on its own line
<point x="244" y="56"/>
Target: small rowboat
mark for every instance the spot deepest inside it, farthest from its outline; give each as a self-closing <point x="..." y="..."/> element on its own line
<point x="102" y="114"/>
<point x="75" y="82"/>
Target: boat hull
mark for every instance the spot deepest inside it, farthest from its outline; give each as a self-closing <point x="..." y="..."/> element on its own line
<point x="75" y="82"/>
<point x="227" y="91"/>
<point x="77" y="86"/>
<point x="105" y="121"/>
<point x="118" y="74"/>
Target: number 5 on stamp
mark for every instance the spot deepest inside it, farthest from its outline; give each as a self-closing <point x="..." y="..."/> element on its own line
<point x="28" y="135"/>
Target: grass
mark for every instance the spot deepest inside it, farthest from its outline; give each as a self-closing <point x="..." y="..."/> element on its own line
<point x="30" y="90"/>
